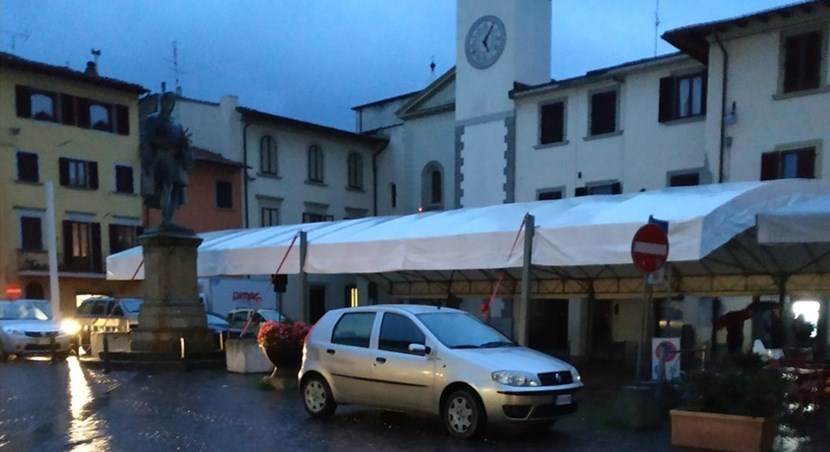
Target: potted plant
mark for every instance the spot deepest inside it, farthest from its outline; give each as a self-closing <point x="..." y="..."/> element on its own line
<point x="733" y="406"/>
<point x="282" y="343"/>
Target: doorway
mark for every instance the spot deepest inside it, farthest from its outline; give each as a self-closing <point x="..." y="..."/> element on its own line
<point x="317" y="302"/>
<point x="548" y="327"/>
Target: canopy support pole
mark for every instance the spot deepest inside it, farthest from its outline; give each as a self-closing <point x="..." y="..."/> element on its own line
<point x="524" y="308"/>
<point x="304" y="277"/>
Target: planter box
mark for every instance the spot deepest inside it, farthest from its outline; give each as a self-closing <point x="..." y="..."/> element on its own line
<point x="721" y="431"/>
<point x="116" y="342"/>
<point x="244" y="356"/>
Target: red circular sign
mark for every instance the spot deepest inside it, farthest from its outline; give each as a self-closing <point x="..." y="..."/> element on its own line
<point x="649" y="248"/>
<point x="13" y="291"/>
<point x="666" y="348"/>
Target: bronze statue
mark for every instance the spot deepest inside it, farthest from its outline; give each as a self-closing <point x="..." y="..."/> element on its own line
<point x="165" y="159"/>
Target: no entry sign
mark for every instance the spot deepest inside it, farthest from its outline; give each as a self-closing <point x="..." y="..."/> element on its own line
<point x="649" y="248"/>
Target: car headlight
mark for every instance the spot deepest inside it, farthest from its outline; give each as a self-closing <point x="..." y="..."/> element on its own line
<point x="14" y="331"/>
<point x="70" y="326"/>
<point x="516" y="378"/>
<point x="575" y="375"/>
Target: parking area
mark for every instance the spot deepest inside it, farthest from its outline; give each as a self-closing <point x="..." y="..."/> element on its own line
<point x="68" y="406"/>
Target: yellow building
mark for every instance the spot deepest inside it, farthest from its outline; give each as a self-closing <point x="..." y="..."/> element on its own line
<point x="79" y="131"/>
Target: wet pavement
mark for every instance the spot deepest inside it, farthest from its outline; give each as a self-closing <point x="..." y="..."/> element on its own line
<point x="70" y="406"/>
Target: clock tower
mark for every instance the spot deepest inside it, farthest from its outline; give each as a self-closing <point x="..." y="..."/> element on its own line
<point x="499" y="43"/>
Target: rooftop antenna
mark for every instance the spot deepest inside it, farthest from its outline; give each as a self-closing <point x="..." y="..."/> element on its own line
<point x="96" y="53"/>
<point x="432" y="66"/>
<point x="176" y="71"/>
<point x="656" y="24"/>
<point x="15" y="35"/>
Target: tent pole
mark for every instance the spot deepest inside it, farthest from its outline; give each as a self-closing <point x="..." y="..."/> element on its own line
<point x="304" y="277"/>
<point x="526" y="279"/>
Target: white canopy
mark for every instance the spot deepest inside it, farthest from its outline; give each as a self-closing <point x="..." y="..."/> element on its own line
<point x="583" y="231"/>
<point x="805" y="222"/>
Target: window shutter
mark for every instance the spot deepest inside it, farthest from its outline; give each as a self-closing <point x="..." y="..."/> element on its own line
<point x="83" y="112"/>
<point x="806" y="164"/>
<point x="96" y="247"/>
<point x="23" y="101"/>
<point x="63" y="165"/>
<point x="113" y="230"/>
<point x="581" y="191"/>
<point x="68" y="109"/>
<point x="616" y="188"/>
<point x="31" y="235"/>
<point x="122" y="117"/>
<point x="666" y="112"/>
<point x="769" y="166"/>
<point x="92" y="167"/>
<point x="704" y="94"/>
<point x="67" y="244"/>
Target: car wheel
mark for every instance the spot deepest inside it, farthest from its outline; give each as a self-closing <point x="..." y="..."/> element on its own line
<point x="317" y="397"/>
<point x="463" y="414"/>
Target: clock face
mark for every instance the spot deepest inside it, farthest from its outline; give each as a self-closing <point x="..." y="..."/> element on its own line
<point x="485" y="42"/>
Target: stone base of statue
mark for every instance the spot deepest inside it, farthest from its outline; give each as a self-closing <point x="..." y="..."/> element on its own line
<point x="172" y="319"/>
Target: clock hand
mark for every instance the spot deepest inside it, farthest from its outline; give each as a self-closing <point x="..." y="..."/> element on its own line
<point x="486" y="36"/>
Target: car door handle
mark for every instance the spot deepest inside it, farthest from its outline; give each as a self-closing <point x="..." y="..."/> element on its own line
<point x="330" y="351"/>
<point x="380" y="359"/>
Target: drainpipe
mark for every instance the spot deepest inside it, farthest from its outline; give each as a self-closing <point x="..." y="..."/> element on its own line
<point x="245" y="170"/>
<point x="722" y="106"/>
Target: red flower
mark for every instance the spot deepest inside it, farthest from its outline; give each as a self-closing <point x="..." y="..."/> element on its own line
<point x="282" y="333"/>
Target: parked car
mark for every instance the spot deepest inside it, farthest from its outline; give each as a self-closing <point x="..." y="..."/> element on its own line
<point x="219" y="326"/>
<point x="238" y="318"/>
<point x="433" y="360"/>
<point x="106" y="314"/>
<point x="26" y="330"/>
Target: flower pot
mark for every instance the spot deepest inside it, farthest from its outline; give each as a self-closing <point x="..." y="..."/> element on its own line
<point x="285" y="358"/>
<point x="717" y="431"/>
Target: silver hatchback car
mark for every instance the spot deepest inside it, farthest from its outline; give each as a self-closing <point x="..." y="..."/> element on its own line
<point x="433" y="360"/>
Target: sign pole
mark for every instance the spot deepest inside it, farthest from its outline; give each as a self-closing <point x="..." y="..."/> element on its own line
<point x="644" y="329"/>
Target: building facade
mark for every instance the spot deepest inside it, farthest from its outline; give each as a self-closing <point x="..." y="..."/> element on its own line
<point x="78" y="133"/>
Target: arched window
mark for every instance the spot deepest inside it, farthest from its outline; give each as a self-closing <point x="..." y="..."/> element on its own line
<point x="355" y="170"/>
<point x="315" y="163"/>
<point x="432" y="187"/>
<point x="99" y="117"/>
<point x="268" y="155"/>
<point x="43" y="107"/>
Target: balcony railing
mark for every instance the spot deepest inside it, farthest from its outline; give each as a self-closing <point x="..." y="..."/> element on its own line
<point x="36" y="260"/>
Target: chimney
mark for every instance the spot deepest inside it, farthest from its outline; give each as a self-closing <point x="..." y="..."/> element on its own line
<point x="91" y="68"/>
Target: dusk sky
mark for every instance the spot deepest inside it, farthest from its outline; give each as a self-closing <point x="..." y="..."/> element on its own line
<point x="314" y="60"/>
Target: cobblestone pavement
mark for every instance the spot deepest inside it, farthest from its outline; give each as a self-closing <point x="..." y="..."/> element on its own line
<point x="68" y="406"/>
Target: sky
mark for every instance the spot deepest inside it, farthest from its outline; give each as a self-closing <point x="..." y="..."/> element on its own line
<point x="314" y="60"/>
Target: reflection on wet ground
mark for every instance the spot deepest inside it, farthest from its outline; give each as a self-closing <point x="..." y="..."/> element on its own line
<point x="67" y="406"/>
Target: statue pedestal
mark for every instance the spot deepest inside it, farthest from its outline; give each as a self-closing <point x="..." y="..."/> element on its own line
<point x="171" y="317"/>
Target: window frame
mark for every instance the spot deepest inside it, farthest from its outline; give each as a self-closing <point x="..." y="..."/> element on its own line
<point x="78" y="174"/>
<point x="355" y="171"/>
<point x="28" y="167"/>
<point x="85" y="256"/>
<point x="670" y="95"/>
<point x="359" y="340"/>
<point x="316" y="167"/>
<point x="540" y="193"/>
<point x="773" y="164"/>
<point x="72" y="110"/>
<point x="27" y="232"/>
<point x="562" y="127"/>
<point x="591" y="117"/>
<point x="124" y="179"/>
<point x="268" y="156"/>
<point x="432" y="189"/>
<point x="783" y="91"/>
<point x="384" y="343"/>
<point x="224" y="194"/>
<point x="591" y="188"/>
<point x="131" y="230"/>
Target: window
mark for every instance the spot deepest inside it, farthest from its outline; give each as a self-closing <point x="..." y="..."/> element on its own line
<point x="397" y="332"/>
<point x="552" y="123"/>
<point x="100" y="117"/>
<point x="27" y="167"/>
<point x="432" y="187"/>
<point x="315" y="163"/>
<point x="78" y="173"/>
<point x="31" y="233"/>
<point x="310" y="217"/>
<point x="393" y="194"/>
<point x="224" y="194"/>
<point x="354" y="329"/>
<point x="123" y="237"/>
<point x="268" y="156"/>
<point x="544" y="195"/>
<point x="682" y="97"/>
<point x="789" y="164"/>
<point x="613" y="188"/>
<point x="355" y="171"/>
<point x="82" y="246"/>
<point x="71" y="110"/>
<point x="270" y="216"/>
<point x="802" y="61"/>
<point x="124" y="179"/>
<point x="603" y="113"/>
<point x="684" y="179"/>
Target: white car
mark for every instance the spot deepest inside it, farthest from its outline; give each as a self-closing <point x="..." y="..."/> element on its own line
<point x="26" y="330"/>
<point x="434" y="360"/>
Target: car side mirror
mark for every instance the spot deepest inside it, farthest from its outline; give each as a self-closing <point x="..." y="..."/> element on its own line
<point x="420" y="349"/>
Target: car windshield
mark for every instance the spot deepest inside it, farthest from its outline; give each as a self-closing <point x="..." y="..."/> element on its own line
<point x="461" y="330"/>
<point x="131" y="305"/>
<point x="21" y="311"/>
<point x="271" y="315"/>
